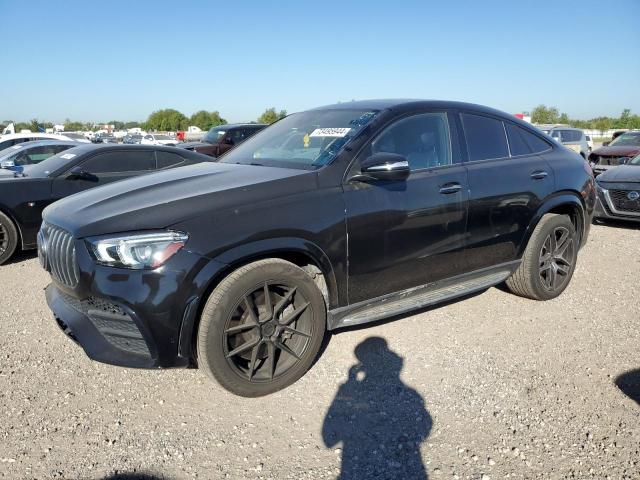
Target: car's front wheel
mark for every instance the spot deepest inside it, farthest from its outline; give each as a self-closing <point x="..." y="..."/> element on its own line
<point x="548" y="261"/>
<point x="261" y="328"/>
<point x="8" y="238"/>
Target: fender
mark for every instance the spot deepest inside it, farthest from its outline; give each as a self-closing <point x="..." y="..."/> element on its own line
<point x="274" y="246"/>
<point x="8" y="213"/>
<point x="563" y="198"/>
<point x="216" y="269"/>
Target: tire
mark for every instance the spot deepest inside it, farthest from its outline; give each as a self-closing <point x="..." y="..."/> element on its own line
<point x="245" y="345"/>
<point x="8" y="238"/>
<point x="547" y="264"/>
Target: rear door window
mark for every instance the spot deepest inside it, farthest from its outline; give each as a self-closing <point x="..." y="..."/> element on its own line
<point x="485" y="136"/>
<point x="121" y="162"/>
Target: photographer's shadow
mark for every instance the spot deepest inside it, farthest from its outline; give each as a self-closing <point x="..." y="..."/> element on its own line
<point x="379" y="420"/>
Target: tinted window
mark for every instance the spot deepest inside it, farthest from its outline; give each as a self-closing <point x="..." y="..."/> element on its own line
<point x="571" y="135"/>
<point x="517" y="143"/>
<point x="121" y="161"/>
<point x="536" y="143"/>
<point x="485" y="137"/>
<point x="167" y="159"/>
<point x="423" y="139"/>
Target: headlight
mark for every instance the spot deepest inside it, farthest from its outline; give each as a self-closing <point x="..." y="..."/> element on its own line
<point x="142" y="250"/>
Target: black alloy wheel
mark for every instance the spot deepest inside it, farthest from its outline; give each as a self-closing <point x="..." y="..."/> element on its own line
<point x="261" y="328"/>
<point x="557" y="258"/>
<point x="268" y="332"/>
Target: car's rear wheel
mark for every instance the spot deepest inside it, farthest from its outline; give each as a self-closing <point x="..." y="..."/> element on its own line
<point x="8" y="238"/>
<point x="549" y="260"/>
<point x="261" y="328"/>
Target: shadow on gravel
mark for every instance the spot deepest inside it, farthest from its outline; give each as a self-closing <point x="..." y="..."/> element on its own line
<point x="629" y="383"/>
<point x="134" y="476"/>
<point x="21" y="256"/>
<point x="617" y="224"/>
<point x="379" y="420"/>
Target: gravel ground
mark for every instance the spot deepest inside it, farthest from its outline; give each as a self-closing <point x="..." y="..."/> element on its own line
<point x="493" y="386"/>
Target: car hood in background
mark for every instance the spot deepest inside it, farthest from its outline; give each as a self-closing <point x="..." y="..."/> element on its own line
<point x="621" y="174"/>
<point x="162" y="199"/>
<point x="621" y="151"/>
<point x="193" y="145"/>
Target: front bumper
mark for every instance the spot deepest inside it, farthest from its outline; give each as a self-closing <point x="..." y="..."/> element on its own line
<point x="134" y="318"/>
<point x="604" y="211"/>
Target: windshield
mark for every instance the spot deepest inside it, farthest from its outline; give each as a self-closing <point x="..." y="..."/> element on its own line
<point x="304" y="140"/>
<point x="629" y="138"/>
<point x="214" y="135"/>
<point x="53" y="163"/>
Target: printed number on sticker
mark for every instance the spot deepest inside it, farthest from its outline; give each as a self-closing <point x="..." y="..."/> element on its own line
<point x="329" y="132"/>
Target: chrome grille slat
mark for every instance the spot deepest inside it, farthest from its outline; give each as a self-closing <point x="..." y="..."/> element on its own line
<point x="58" y="254"/>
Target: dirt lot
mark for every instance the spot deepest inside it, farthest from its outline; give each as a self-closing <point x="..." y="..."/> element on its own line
<point x="490" y="387"/>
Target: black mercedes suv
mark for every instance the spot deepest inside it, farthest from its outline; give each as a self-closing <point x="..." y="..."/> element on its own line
<point x="329" y="218"/>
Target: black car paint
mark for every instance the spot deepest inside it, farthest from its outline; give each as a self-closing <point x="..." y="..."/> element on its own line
<point x="24" y="197"/>
<point x="366" y="238"/>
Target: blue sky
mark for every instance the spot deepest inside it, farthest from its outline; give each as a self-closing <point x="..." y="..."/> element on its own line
<point x="121" y="60"/>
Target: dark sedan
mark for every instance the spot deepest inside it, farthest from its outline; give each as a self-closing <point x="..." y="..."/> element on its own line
<point x="619" y="152"/>
<point x="619" y="193"/>
<point x="25" y="193"/>
<point x="223" y="138"/>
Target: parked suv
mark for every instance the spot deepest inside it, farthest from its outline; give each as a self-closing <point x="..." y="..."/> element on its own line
<point x="572" y="138"/>
<point x="623" y="147"/>
<point x="223" y="138"/>
<point x="329" y="218"/>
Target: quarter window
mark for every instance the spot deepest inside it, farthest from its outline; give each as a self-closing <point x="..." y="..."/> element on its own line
<point x="167" y="159"/>
<point x="485" y="137"/>
<point x="121" y="162"/>
<point x="517" y="143"/>
<point x="423" y="139"/>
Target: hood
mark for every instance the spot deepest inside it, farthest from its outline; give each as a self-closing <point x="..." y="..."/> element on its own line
<point x="192" y="145"/>
<point x="615" y="151"/>
<point x="621" y="174"/>
<point x="162" y="199"/>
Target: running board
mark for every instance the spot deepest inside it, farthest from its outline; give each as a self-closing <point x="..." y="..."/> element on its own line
<point x="419" y="297"/>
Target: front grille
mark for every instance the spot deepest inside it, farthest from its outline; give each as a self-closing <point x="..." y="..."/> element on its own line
<point x="57" y="253"/>
<point x="622" y="202"/>
<point x="113" y="323"/>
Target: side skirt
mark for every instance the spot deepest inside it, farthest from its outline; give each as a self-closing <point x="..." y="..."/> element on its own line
<point x="419" y="297"/>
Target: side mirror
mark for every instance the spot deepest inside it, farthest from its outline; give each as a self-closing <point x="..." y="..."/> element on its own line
<point x="77" y="173"/>
<point x="384" y="166"/>
<point x="605" y="144"/>
<point x="7" y="164"/>
<point x="228" y="141"/>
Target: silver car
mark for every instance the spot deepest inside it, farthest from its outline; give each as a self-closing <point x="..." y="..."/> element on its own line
<point x="573" y="138"/>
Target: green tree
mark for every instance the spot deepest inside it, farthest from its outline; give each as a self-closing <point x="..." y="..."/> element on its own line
<point x="564" y="119"/>
<point x="132" y="125"/>
<point x="72" y="126"/>
<point x="603" y="124"/>
<point x="166" y="120"/>
<point x="270" y="115"/>
<point x="34" y="125"/>
<point x="544" y="114"/>
<point x="117" y="125"/>
<point x="205" y="120"/>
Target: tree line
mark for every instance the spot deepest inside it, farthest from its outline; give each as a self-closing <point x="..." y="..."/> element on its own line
<point x="167" y="119"/>
<point x="626" y="120"/>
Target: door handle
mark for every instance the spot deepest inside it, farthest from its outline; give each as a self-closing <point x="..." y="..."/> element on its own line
<point x="539" y="175"/>
<point x="450" y="188"/>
